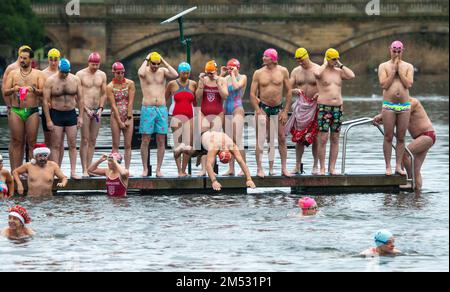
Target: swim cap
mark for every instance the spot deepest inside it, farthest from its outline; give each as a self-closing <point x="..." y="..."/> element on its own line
<point x="118" y="66"/>
<point x="301" y="54"/>
<point x="234" y="63"/>
<point x="40" y="148"/>
<point x="154" y="57"/>
<point x="116" y="155"/>
<point x="382" y="237"/>
<point x="23" y="48"/>
<point x="184" y="67"/>
<point x="94" y="58"/>
<point x="271" y="53"/>
<point x="225" y="156"/>
<point x="54" y="53"/>
<point x="397" y="45"/>
<point x="331" y="54"/>
<point x="3" y="188"/>
<point x="20" y="213"/>
<point x="306" y="203"/>
<point x="211" y="66"/>
<point x="64" y="65"/>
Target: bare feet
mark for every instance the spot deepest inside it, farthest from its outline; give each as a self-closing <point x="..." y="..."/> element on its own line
<point x="241" y="173"/>
<point x="271" y="172"/>
<point x="74" y="176"/>
<point x="182" y="174"/>
<point x="388" y="172"/>
<point x="86" y="174"/>
<point x="145" y="173"/>
<point x="202" y="173"/>
<point x="159" y="174"/>
<point x="315" y="171"/>
<point x="228" y="173"/>
<point x="286" y="173"/>
<point x="261" y="173"/>
<point x="333" y="173"/>
<point x="296" y="171"/>
<point x="322" y="172"/>
<point x="400" y="172"/>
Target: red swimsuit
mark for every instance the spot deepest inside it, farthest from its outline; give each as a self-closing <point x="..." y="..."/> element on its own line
<point x="115" y="187"/>
<point x="212" y="101"/>
<point x="183" y="100"/>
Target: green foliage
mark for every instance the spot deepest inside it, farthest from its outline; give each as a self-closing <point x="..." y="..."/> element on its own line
<point x="19" y="25"/>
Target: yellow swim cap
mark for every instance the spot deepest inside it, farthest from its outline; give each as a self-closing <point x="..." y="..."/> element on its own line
<point x="54" y="53"/>
<point x="23" y="48"/>
<point x="331" y="54"/>
<point x="301" y="54"/>
<point x="154" y="57"/>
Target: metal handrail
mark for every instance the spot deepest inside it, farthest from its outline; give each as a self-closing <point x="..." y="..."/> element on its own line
<point x="367" y="120"/>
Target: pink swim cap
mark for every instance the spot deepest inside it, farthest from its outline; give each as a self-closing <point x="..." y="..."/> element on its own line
<point x="117" y="66"/>
<point x="94" y="58"/>
<point x="397" y="45"/>
<point x="306" y="203"/>
<point x="117" y="156"/>
<point x="271" y="53"/>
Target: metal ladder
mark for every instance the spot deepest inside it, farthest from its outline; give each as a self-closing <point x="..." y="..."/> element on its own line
<point x="364" y="121"/>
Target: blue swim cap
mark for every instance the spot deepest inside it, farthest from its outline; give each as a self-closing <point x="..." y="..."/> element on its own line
<point x="64" y="65"/>
<point x="382" y="237"/>
<point x="184" y="67"/>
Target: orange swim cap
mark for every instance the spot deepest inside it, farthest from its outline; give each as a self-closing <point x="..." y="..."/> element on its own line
<point x="211" y="66"/>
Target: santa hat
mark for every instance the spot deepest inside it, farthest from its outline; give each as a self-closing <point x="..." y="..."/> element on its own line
<point x="20" y="213"/>
<point x="40" y="148"/>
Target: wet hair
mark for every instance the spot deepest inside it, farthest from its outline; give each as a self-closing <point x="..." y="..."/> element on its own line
<point x="29" y="51"/>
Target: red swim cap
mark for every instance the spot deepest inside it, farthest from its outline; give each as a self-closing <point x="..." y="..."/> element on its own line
<point x="117" y="66"/>
<point x="225" y="156"/>
<point x="94" y="58"/>
<point x="234" y="63"/>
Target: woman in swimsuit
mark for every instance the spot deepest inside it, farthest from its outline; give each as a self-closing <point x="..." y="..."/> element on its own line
<point x="116" y="175"/>
<point x="234" y="110"/>
<point x="6" y="181"/>
<point x="182" y="92"/>
<point x="212" y="89"/>
<point x="120" y="92"/>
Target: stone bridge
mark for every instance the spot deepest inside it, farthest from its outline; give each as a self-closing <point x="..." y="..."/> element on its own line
<point x="120" y="31"/>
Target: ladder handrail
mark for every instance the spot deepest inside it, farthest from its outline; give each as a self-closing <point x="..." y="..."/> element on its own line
<point x="367" y="120"/>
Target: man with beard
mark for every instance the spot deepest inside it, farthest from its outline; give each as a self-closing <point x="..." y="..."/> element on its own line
<point x="62" y="92"/>
<point x="25" y="85"/>
<point x="41" y="173"/>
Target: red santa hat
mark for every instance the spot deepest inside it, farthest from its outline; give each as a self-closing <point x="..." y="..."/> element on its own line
<point x="40" y="148"/>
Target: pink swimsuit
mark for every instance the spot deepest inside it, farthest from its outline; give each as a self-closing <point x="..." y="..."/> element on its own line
<point x="122" y="100"/>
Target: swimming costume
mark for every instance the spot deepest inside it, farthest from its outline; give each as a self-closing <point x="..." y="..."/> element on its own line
<point x="431" y="134"/>
<point x="302" y="124"/>
<point x="24" y="113"/>
<point x="397" y="107"/>
<point x="234" y="99"/>
<point x="115" y="187"/>
<point x="183" y="99"/>
<point x="212" y="101"/>
<point x="329" y="118"/>
<point x="63" y="118"/>
<point x="122" y="99"/>
<point x="271" y="110"/>
<point x="154" y="119"/>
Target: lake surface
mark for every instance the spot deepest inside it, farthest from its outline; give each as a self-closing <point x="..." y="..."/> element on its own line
<point x="261" y="231"/>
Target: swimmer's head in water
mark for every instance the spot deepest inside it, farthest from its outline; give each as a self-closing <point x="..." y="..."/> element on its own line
<point x="270" y="54"/>
<point x="225" y="156"/>
<point x="307" y="203"/>
<point x="64" y="66"/>
<point x="20" y="213"/>
<point x="233" y="63"/>
<point x="332" y="55"/>
<point x="115" y="156"/>
<point x="383" y="237"/>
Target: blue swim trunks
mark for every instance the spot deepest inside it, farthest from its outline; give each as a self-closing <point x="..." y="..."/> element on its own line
<point x="154" y="119"/>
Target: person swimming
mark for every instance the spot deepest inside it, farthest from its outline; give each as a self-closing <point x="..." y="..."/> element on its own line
<point x="18" y="218"/>
<point x="385" y="245"/>
<point x="308" y="206"/>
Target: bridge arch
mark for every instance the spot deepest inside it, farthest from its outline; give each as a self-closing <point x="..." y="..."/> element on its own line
<point x="153" y="40"/>
<point x="357" y="41"/>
